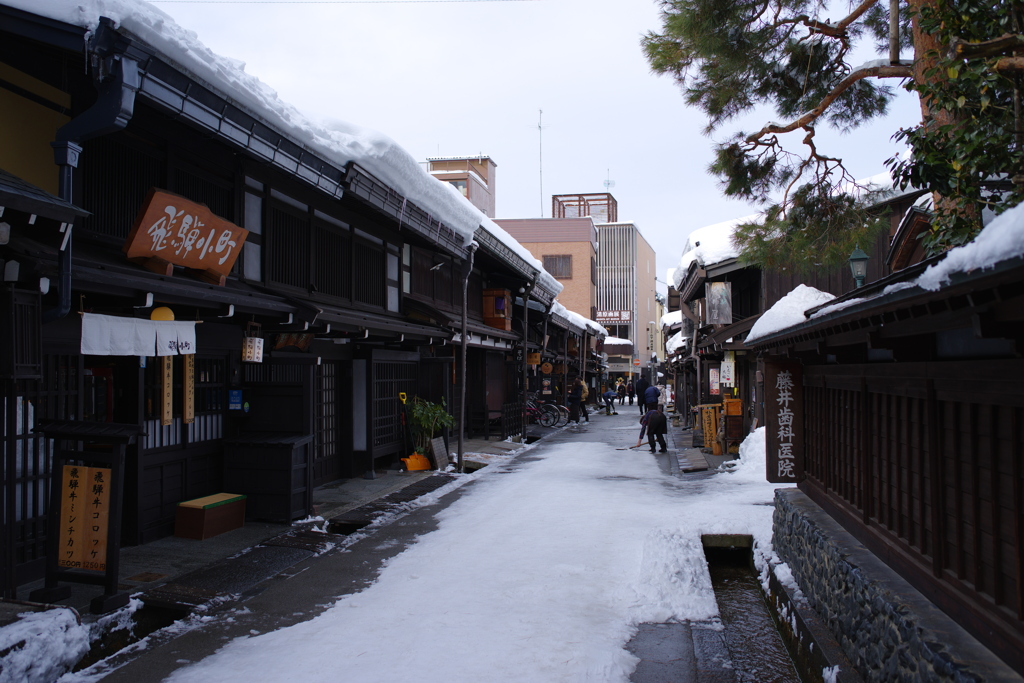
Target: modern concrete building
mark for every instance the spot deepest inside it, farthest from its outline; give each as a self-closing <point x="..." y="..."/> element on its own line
<point x="626" y="303"/>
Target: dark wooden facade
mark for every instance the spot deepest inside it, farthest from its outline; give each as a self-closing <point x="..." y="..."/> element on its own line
<point x="374" y="281"/>
<point x="913" y="416"/>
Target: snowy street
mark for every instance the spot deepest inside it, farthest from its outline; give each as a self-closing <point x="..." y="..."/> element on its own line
<point x="537" y="568"/>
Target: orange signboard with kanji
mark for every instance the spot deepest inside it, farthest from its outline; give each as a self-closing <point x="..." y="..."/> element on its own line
<point x="173" y="231"/>
<point x="84" y="514"/>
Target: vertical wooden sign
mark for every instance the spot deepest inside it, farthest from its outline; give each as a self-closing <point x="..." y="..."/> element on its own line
<point x="784" y="421"/>
<point x="188" y="388"/>
<point x="167" y="391"/>
<point x="84" y="517"/>
<point x="72" y="516"/>
<point x="97" y="520"/>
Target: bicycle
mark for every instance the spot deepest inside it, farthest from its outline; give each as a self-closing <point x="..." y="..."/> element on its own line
<point x="542" y="417"/>
<point x="552" y="416"/>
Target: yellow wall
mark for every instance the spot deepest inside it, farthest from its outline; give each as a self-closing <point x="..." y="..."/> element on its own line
<point x="27" y="128"/>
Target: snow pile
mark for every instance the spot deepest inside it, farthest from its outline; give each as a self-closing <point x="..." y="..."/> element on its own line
<point x="1001" y="239"/>
<point x="752" y="461"/>
<point x="710" y="244"/>
<point x="40" y="646"/>
<point x="788" y="311"/>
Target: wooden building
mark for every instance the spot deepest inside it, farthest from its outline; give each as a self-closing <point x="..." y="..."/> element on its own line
<point x="354" y="290"/>
<point x="911" y="414"/>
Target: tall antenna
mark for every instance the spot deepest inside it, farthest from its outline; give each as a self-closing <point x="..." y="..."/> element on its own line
<point x="540" y="158"/>
<point x="609" y="183"/>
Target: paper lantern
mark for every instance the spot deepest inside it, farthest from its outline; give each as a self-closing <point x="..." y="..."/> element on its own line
<point x="252" y="344"/>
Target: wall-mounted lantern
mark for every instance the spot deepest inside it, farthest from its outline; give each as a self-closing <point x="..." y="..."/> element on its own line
<point x="859" y="265"/>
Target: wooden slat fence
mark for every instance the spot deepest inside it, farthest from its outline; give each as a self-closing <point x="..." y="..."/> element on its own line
<point x="923" y="462"/>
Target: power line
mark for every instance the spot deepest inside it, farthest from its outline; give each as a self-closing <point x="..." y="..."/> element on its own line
<point x="320" y="2"/>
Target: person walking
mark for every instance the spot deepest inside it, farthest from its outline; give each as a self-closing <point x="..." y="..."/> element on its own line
<point x="574" y="398"/>
<point x="654" y="424"/>
<point x="641" y="389"/>
<point x="620" y="391"/>
<point x="630" y="391"/>
<point x="584" y="393"/>
<point x="609" y="401"/>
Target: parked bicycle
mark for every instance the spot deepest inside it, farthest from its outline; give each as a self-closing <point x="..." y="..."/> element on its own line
<point x="548" y="415"/>
<point x="534" y="413"/>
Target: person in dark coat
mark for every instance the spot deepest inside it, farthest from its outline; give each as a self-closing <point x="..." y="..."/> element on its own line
<point x="641" y="387"/>
<point x="620" y="390"/>
<point x="574" y="399"/>
<point x="654" y="424"/>
<point x="630" y="391"/>
<point x="652" y="396"/>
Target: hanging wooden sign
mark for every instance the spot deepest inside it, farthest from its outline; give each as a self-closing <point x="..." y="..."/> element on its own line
<point x="167" y="391"/>
<point x="173" y="231"/>
<point x="188" y="388"/>
<point x="84" y="514"/>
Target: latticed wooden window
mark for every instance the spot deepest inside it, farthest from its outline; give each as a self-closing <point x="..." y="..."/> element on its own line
<point x="369" y="274"/>
<point x="287" y="248"/>
<point x="116" y="179"/>
<point x="332" y="262"/>
<point x="559" y="265"/>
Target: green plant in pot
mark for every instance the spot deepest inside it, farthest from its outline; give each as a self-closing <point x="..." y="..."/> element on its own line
<point x="427" y="420"/>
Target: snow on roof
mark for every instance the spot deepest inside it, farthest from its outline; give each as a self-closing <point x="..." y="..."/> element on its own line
<point x="578" y="320"/>
<point x="715" y="241"/>
<point x="788" y="311"/>
<point x="545" y="278"/>
<point x="675" y="342"/>
<point x="1001" y="239"/>
<point x="673" y="318"/>
<point x="710" y="244"/>
<point x="338" y="141"/>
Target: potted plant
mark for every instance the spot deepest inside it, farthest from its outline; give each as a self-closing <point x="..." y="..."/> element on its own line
<point x="427" y="420"/>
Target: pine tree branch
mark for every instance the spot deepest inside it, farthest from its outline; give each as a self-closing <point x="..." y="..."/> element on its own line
<point x="839" y="30"/>
<point x="879" y="71"/>
<point x="988" y="48"/>
<point x="1010" y="66"/>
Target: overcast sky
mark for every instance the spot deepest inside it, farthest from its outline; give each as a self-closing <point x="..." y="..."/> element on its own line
<point x="465" y="78"/>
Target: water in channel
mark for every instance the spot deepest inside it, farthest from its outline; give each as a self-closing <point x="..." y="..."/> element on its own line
<point x="755" y="646"/>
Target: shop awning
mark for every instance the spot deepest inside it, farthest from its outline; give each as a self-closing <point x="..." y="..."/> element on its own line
<point x="108" y="335"/>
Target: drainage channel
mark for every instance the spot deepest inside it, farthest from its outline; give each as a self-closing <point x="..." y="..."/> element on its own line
<point x="747" y="646"/>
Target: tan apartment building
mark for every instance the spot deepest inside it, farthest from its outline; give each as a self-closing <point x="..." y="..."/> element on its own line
<point x="474" y="177"/>
<point x="568" y="249"/>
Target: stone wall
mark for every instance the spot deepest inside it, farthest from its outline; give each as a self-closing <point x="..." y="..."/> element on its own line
<point x="885" y="627"/>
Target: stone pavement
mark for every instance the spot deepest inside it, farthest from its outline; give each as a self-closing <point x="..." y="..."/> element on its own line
<point x="251" y="566"/>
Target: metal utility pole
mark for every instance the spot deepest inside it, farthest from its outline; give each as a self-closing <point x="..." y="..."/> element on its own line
<point x="540" y="158"/>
